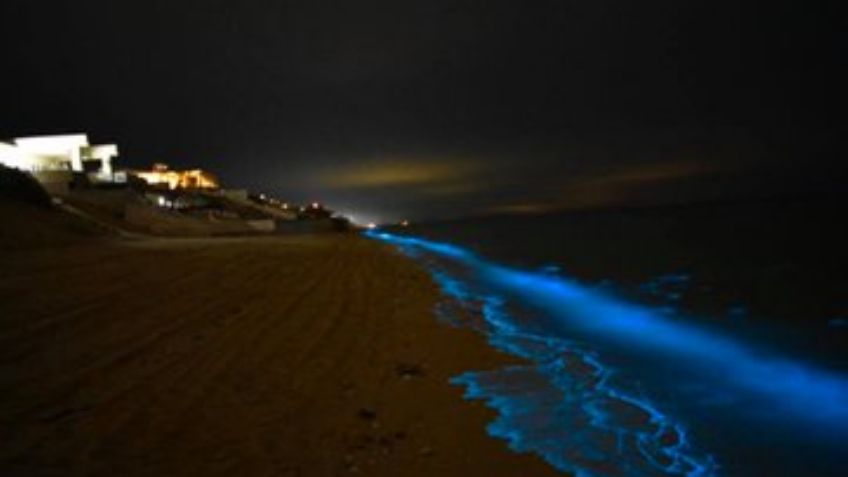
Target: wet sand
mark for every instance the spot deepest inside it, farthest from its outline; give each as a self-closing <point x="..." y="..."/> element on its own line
<point x="253" y="356"/>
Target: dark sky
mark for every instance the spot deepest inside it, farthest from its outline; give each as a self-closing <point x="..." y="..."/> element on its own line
<point x="395" y="109"/>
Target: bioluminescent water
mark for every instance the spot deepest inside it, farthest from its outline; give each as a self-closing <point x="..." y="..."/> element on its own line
<point x="614" y="387"/>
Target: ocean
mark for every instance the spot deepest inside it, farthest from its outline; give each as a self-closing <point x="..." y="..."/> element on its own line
<point x="705" y="339"/>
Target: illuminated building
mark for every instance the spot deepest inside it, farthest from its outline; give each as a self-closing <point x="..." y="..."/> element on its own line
<point x="65" y="153"/>
<point x="161" y="175"/>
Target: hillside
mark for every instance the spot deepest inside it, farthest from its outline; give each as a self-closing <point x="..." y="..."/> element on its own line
<point x="29" y="220"/>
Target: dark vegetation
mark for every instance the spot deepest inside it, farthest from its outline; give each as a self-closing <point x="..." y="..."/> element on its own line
<point x="19" y="186"/>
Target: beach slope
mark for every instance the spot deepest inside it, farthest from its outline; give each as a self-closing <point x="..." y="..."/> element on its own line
<point x="310" y="355"/>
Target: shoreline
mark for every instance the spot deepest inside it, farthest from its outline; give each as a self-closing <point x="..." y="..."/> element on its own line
<point x="302" y="355"/>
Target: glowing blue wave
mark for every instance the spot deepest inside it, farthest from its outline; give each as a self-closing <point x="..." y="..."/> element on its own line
<point x="781" y="387"/>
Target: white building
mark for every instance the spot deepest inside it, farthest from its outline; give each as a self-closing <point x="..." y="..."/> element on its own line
<point x="71" y="153"/>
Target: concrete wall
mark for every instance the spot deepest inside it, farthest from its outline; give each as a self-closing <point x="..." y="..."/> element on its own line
<point x="262" y="225"/>
<point x="56" y="183"/>
<point x="163" y="222"/>
<point x="235" y="195"/>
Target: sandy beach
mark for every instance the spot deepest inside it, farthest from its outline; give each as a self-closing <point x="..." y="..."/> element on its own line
<point x="306" y="355"/>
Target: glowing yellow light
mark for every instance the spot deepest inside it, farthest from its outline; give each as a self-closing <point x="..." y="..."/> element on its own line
<point x="192" y="179"/>
<point x="404" y="223"/>
<point x="372" y="226"/>
<point x="315" y="205"/>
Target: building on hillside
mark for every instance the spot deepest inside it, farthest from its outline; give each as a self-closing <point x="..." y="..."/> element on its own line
<point x="161" y="176"/>
<point x="55" y="160"/>
<point x="70" y="152"/>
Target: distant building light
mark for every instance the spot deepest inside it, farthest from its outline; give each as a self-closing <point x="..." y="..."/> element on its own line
<point x="316" y="205"/>
<point x="404" y="223"/>
<point x="372" y="226"/>
<point x="192" y="179"/>
<point x="285" y="206"/>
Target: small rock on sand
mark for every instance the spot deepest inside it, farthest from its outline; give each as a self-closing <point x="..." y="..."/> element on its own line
<point x="367" y="414"/>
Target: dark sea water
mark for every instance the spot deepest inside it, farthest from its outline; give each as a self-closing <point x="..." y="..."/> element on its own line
<point x="700" y="340"/>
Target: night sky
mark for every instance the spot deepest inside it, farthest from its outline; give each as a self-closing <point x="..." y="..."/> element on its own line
<point x="400" y="109"/>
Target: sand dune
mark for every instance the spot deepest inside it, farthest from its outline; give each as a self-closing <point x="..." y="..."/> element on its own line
<point x="253" y="356"/>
